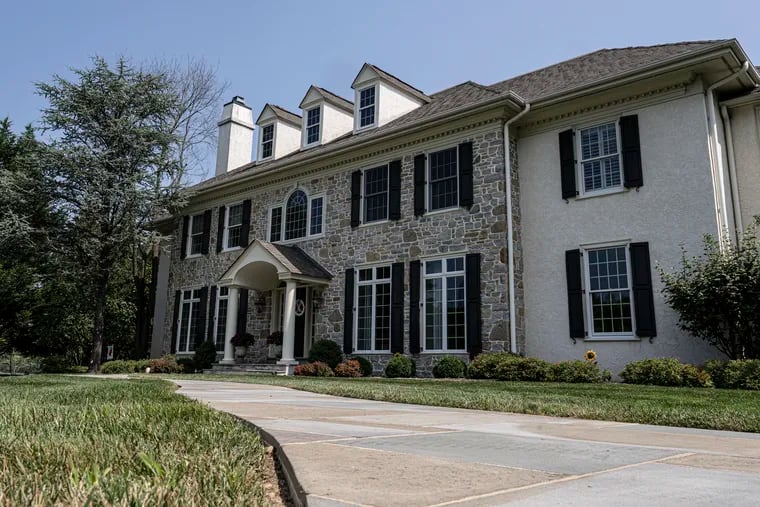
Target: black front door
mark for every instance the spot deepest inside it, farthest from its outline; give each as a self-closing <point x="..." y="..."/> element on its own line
<point x="300" y="312"/>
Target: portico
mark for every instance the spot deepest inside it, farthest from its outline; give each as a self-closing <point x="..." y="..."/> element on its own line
<point x="265" y="266"/>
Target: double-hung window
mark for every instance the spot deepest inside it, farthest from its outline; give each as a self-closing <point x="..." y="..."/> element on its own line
<point x="443" y="179"/>
<point x="189" y="321"/>
<point x="444" y="304"/>
<point x="609" y="291"/>
<point x="600" y="158"/>
<point x="301" y="216"/>
<point x="313" y="121"/>
<point x="376" y="194"/>
<point x="373" y="305"/>
<point x="233" y="226"/>
<point x="220" y="329"/>
<point x="267" y="141"/>
<point x="367" y="107"/>
<point x="195" y="235"/>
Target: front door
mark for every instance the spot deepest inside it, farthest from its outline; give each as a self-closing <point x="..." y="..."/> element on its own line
<point x="301" y="312"/>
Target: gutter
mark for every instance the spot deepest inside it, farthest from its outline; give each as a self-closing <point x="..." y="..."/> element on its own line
<point x="733" y="180"/>
<point x="719" y="183"/>
<point x="510" y="229"/>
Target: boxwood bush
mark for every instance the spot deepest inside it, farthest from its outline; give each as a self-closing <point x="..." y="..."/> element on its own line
<point x="326" y="351"/>
<point x="578" y="372"/>
<point x="506" y="366"/>
<point x="205" y="355"/>
<point x="348" y="368"/>
<point x="736" y="374"/>
<point x="664" y="372"/>
<point x="121" y="366"/>
<point x="449" y="367"/>
<point x="365" y="365"/>
<point x="400" y="366"/>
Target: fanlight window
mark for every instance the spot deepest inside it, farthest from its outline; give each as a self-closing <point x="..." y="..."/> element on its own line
<point x="295" y="215"/>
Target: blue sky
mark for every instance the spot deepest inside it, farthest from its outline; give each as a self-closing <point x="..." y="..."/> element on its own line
<point x="272" y="51"/>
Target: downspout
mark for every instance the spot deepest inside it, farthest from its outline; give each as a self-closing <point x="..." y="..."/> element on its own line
<point x="717" y="164"/>
<point x="510" y="237"/>
<point x="732" y="178"/>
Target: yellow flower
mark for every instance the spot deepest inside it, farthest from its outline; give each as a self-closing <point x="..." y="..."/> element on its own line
<point x="590" y="355"/>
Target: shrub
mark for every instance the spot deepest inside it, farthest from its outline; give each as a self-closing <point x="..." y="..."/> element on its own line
<point x="56" y="364"/>
<point x="484" y="365"/>
<point x="305" y="370"/>
<point x="242" y="340"/>
<point x="186" y="364"/>
<point x="737" y="374"/>
<point x="117" y="366"/>
<point x="205" y="355"/>
<point x="166" y="364"/>
<point x="506" y="366"/>
<point x="665" y="372"/>
<point x="694" y="377"/>
<point x="449" y="367"/>
<point x="348" y="368"/>
<point x="326" y="351"/>
<point x="365" y="365"/>
<point x="578" y="372"/>
<point x="322" y="369"/>
<point x="400" y="366"/>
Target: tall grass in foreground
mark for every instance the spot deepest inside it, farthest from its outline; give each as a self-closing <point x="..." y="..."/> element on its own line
<point x="78" y="441"/>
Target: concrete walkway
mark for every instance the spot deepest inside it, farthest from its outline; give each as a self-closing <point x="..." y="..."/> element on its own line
<point x="356" y="452"/>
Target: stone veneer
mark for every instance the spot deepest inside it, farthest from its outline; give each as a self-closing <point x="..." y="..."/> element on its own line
<point x="479" y="229"/>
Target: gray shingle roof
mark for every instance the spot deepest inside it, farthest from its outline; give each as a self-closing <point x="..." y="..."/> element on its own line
<point x="400" y="84"/>
<point x="283" y="114"/>
<point x="297" y="261"/>
<point x="336" y="99"/>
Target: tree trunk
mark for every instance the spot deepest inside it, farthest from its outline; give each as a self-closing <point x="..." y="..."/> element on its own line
<point x="141" y="324"/>
<point x="101" y="293"/>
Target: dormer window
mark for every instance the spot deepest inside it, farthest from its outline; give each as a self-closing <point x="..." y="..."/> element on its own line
<point x="367" y="107"/>
<point x="267" y="141"/>
<point x="313" y="122"/>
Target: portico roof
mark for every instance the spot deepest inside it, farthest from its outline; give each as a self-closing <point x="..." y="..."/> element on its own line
<point x="263" y="265"/>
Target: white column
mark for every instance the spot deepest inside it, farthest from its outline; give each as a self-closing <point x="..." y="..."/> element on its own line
<point x="231" y="327"/>
<point x="289" y="324"/>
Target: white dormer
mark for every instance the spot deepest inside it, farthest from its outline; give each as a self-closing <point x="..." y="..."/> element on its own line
<point x="381" y="98"/>
<point x="279" y="133"/>
<point x="326" y="116"/>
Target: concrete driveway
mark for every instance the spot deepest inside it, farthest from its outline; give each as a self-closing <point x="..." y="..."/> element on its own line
<point x="356" y="452"/>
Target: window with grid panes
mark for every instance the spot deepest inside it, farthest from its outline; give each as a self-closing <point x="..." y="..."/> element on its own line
<point x="317" y="212"/>
<point x="189" y="319"/>
<point x="443" y="180"/>
<point x="295" y="215"/>
<point x="600" y="158"/>
<point x="222" y="299"/>
<point x="376" y="194"/>
<point x="234" y="226"/>
<point x="609" y="293"/>
<point x="373" y="309"/>
<point x="444" y="304"/>
<point x="267" y="141"/>
<point x="195" y="243"/>
<point x="275" y="221"/>
<point x="313" y="122"/>
<point x="367" y="107"/>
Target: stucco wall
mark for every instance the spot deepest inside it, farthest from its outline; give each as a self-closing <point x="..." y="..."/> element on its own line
<point x="745" y="123"/>
<point x="287" y="139"/>
<point x="674" y="207"/>
<point x="335" y="122"/>
<point x="392" y="104"/>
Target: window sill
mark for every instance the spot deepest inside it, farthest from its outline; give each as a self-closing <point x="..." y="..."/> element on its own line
<point x="372" y="352"/>
<point x="193" y="256"/>
<point x="612" y="338"/>
<point x="374" y="222"/>
<point x="439" y="352"/>
<point x="600" y="193"/>
<point x="233" y="249"/>
<point x="442" y="211"/>
<point x="296" y="240"/>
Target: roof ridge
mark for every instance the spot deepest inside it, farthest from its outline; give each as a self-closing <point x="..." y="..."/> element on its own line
<point x="397" y="79"/>
<point x="325" y="90"/>
<point x="285" y="110"/>
<point x="666" y="44"/>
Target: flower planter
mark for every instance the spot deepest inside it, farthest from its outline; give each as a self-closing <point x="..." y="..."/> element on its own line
<point x="274" y="351"/>
<point x="240" y="351"/>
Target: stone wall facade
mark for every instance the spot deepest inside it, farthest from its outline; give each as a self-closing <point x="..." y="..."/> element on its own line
<point x="481" y="229"/>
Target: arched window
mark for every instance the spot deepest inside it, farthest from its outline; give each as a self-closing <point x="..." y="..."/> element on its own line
<point x="295" y="215"/>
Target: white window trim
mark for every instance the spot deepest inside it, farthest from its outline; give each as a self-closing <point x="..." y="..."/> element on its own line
<point x="305" y="136"/>
<point x="189" y="233"/>
<point x="357" y="115"/>
<point x="219" y="297"/>
<point x="423" y="303"/>
<point x="189" y="318"/>
<point x="362" y="209"/>
<point x="225" y="233"/>
<point x="591" y="336"/>
<point x="283" y="205"/>
<point x="428" y="187"/>
<point x="580" y="177"/>
<point x="374" y="282"/>
<point x="260" y="150"/>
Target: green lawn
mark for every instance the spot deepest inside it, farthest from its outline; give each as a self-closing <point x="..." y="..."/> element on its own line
<point x="670" y="406"/>
<point x="77" y="441"/>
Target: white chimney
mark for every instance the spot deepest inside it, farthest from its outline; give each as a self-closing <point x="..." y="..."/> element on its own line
<point x="235" y="143"/>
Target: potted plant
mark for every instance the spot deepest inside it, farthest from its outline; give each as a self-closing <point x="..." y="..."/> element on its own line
<point x="241" y="342"/>
<point x="274" y="341"/>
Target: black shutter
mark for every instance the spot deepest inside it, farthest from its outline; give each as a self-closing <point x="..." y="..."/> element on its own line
<point x="397" y="307"/>
<point x="567" y="163"/>
<point x="211" y="312"/>
<point x="574" y="293"/>
<point x="220" y="229"/>
<point x="348" y="313"/>
<point x="175" y="322"/>
<point x="206" y="231"/>
<point x="356" y="198"/>
<point x="394" y="196"/>
<point x="246" y="227"/>
<point x="643" y="299"/>
<point x="200" y="329"/>
<point x="242" y="321"/>
<point x="465" y="175"/>
<point x="183" y="233"/>
<point x="419" y="185"/>
<point x="414" y="307"/>
<point x="473" y="318"/>
<point x="631" y="151"/>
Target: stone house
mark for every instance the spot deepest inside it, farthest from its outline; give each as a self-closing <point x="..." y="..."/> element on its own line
<point x="527" y="215"/>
